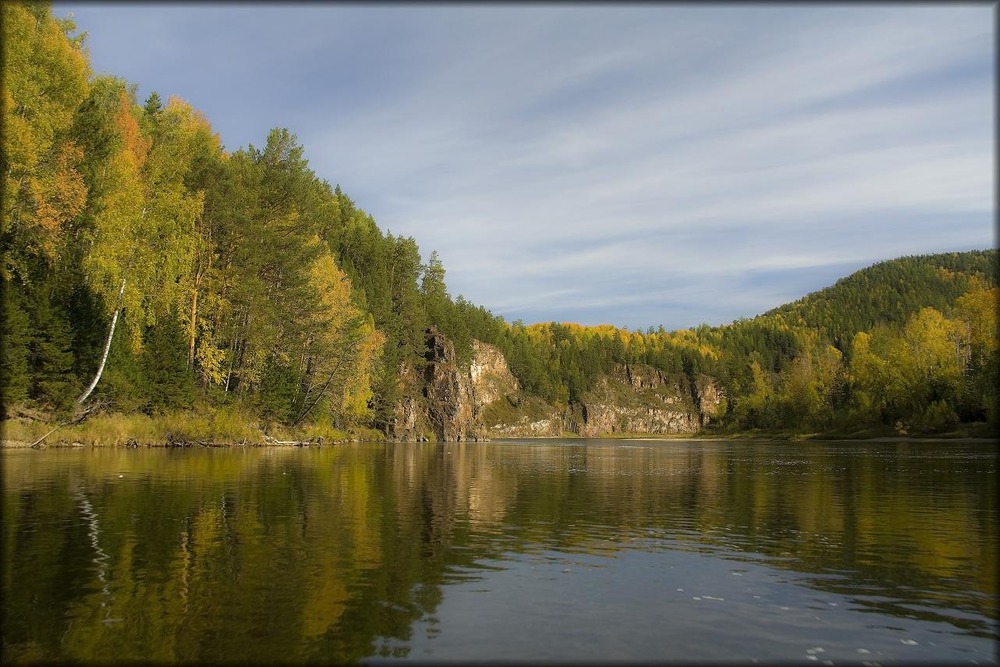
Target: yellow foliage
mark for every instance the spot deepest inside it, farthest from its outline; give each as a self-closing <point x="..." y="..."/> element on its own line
<point x="212" y="358"/>
<point x="145" y="231"/>
<point x="346" y="344"/>
<point x="59" y="195"/>
<point x="211" y="362"/>
<point x="357" y="391"/>
<point x="44" y="82"/>
<point x="977" y="310"/>
<point x="900" y="368"/>
<point x="931" y="340"/>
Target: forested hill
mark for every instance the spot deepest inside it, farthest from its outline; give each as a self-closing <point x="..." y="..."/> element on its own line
<point x="148" y="271"/>
<point x="890" y="292"/>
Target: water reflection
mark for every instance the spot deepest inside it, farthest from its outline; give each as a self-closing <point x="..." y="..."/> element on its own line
<point x="341" y="553"/>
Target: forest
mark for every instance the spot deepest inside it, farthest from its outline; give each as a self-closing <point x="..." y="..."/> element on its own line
<point x="147" y="270"/>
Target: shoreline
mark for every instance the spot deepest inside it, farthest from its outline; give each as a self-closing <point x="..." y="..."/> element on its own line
<point x="270" y="442"/>
<point x="232" y="428"/>
<point x="63" y="444"/>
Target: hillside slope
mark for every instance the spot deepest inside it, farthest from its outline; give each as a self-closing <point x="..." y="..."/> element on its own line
<point x="889" y="293"/>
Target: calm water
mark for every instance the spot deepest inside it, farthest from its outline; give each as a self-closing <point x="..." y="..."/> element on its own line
<point x="515" y="550"/>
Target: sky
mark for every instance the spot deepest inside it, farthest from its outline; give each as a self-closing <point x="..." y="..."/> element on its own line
<point x="635" y="165"/>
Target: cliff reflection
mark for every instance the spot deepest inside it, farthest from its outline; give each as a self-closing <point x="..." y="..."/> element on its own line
<point x="327" y="554"/>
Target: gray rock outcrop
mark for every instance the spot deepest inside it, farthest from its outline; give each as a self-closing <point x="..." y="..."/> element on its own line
<point x="639" y="399"/>
<point x="445" y="402"/>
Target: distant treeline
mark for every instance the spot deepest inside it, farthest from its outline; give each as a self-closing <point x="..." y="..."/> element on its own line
<point x="242" y="279"/>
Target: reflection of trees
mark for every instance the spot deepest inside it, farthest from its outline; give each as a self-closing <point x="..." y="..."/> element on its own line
<point x="911" y="527"/>
<point x="270" y="554"/>
<point x="887" y="523"/>
<point x="333" y="554"/>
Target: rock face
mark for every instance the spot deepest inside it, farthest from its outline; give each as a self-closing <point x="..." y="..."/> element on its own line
<point x="643" y="399"/>
<point x="449" y="399"/>
<point x="489" y="378"/>
<point x="444" y="402"/>
<point x="710" y="398"/>
<point x="640" y="399"/>
<point x="501" y="411"/>
<point x="410" y="423"/>
<point x="520" y="416"/>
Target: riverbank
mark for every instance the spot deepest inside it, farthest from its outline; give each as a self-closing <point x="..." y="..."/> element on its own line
<point x="792" y="438"/>
<point x="229" y="427"/>
<point x="219" y="427"/>
<point x="260" y="439"/>
<point x="970" y="431"/>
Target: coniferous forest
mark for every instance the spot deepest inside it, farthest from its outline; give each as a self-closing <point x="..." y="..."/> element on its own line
<point x="148" y="271"/>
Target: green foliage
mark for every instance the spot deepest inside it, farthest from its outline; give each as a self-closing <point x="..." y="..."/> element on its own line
<point x="168" y="382"/>
<point x="15" y="331"/>
<point x="122" y="385"/>
<point x="87" y="315"/>
<point x="440" y="310"/>
<point x="385" y="272"/>
<point x="153" y="105"/>
<point x="275" y="402"/>
<point x="939" y="417"/>
<point x="49" y="351"/>
<point x="889" y="292"/>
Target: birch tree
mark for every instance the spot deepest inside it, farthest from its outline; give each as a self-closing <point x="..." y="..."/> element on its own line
<point x="142" y="233"/>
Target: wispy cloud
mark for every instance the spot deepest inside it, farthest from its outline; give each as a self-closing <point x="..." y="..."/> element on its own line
<point x="616" y="164"/>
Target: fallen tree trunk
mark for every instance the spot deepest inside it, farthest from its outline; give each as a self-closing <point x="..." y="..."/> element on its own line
<point x="76" y="419"/>
<point x="296" y="443"/>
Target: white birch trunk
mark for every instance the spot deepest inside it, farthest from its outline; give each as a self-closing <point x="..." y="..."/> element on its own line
<point x="107" y="347"/>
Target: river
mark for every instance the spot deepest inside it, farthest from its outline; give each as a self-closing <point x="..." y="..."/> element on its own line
<point x="606" y="550"/>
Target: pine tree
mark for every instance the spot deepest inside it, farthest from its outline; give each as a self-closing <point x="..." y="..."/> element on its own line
<point x="168" y="383"/>
<point x="15" y="327"/>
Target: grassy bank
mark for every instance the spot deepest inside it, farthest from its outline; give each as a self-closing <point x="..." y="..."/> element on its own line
<point x="216" y="427"/>
<point x="229" y="426"/>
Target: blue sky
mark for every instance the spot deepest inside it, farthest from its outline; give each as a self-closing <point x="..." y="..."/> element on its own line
<point x="635" y="165"/>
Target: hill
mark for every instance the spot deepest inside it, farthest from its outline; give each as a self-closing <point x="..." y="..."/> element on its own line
<point x="889" y="293"/>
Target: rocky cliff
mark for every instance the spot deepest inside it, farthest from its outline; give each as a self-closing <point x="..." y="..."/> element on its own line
<point x="710" y="399"/>
<point x="521" y="416"/>
<point x="442" y="401"/>
<point x="640" y="399"/>
<point x="489" y="377"/>
<point x="445" y="402"/>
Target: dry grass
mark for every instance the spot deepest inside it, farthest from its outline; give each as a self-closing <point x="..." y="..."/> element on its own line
<point x="19" y="431"/>
<point x="215" y="426"/>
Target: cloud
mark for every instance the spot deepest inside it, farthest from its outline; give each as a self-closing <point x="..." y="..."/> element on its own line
<point x="610" y="163"/>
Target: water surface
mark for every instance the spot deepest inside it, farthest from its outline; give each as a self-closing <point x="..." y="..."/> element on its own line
<point x="512" y="550"/>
